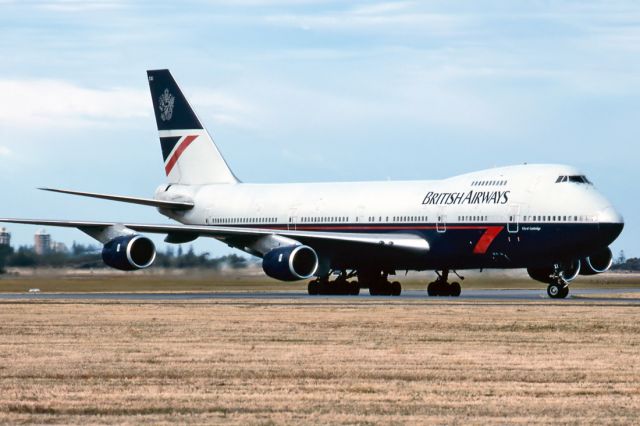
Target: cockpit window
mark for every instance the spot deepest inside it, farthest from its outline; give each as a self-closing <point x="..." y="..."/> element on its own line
<point x="574" y="179"/>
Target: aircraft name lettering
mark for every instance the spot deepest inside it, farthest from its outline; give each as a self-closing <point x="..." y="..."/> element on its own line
<point x="471" y="197"/>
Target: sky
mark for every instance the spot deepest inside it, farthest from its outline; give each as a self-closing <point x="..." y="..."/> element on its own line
<point x="301" y="91"/>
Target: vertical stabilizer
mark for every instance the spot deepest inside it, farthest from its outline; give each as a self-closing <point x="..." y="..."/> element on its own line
<point x="190" y="155"/>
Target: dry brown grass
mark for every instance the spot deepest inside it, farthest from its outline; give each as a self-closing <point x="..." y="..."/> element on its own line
<point x="319" y="361"/>
<point x="255" y="280"/>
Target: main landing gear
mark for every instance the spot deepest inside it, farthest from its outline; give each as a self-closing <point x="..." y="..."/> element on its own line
<point x="379" y="284"/>
<point x="376" y="281"/>
<point x="341" y="286"/>
<point x="442" y="287"/>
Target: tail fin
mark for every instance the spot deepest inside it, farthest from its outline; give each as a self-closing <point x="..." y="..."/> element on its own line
<point x="190" y="156"/>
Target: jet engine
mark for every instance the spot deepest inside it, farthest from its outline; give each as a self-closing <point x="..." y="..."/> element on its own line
<point x="129" y="253"/>
<point x="290" y="263"/>
<point x="598" y="262"/>
<point x="570" y="270"/>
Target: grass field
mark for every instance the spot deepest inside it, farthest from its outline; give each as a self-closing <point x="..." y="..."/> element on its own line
<point x="255" y="280"/>
<point x="330" y="361"/>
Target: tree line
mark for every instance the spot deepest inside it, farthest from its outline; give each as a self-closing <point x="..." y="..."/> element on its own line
<point x="621" y="263"/>
<point x="90" y="257"/>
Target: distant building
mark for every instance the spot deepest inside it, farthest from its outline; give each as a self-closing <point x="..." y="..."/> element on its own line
<point x="5" y="237"/>
<point x="42" y="242"/>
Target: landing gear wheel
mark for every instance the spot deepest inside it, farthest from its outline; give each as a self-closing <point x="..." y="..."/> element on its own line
<point x="431" y="289"/>
<point x="384" y="289"/>
<point x="443" y="289"/>
<point x="557" y="291"/>
<point x="313" y="288"/>
<point x="396" y="288"/>
<point x="455" y="289"/>
<point x="355" y="288"/>
<point x="441" y="286"/>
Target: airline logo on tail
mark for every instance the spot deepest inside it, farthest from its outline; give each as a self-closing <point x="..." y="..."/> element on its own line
<point x="165" y="104"/>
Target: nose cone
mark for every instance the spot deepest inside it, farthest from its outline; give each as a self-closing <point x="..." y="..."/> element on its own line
<point x="611" y="224"/>
<point x="610" y="215"/>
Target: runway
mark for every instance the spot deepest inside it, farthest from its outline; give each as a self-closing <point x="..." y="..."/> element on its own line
<point x="609" y="295"/>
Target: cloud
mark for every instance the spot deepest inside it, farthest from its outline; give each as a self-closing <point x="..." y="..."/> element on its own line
<point x="263" y="3"/>
<point x="224" y="108"/>
<point x="400" y="17"/>
<point x="55" y="103"/>
<point x="5" y="152"/>
<point x="81" y="5"/>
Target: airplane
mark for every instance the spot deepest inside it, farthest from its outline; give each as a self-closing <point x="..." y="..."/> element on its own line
<point x="548" y="219"/>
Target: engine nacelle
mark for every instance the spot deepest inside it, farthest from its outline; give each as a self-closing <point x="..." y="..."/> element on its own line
<point x="291" y="263"/>
<point x="598" y="262"/>
<point x="541" y="274"/>
<point x="129" y="253"/>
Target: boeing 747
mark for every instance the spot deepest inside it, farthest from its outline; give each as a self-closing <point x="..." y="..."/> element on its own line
<point x="548" y="219"/>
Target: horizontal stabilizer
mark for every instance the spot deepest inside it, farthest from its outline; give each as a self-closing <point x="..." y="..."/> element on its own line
<point x="170" y="205"/>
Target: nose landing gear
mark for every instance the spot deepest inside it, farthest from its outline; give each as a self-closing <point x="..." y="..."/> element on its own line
<point x="558" y="289"/>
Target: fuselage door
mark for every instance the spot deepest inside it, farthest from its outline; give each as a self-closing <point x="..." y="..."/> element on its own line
<point x="293" y="220"/>
<point x="209" y="217"/>
<point x="359" y="218"/>
<point x="513" y="223"/>
<point x="441" y="224"/>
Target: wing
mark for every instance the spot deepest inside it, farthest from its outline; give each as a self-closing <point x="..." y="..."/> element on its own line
<point x="186" y="233"/>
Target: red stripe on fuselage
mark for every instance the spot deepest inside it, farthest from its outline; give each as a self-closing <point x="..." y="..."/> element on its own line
<point x="487" y="238"/>
<point x="481" y="247"/>
<point x="178" y="152"/>
<point x="376" y="227"/>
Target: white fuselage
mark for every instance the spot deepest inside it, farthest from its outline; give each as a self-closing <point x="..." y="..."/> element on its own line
<point x="518" y="195"/>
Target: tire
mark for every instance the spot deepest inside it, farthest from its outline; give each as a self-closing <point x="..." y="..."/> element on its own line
<point x="565" y="292"/>
<point x="396" y="288"/>
<point x="355" y="288"/>
<point x="444" y="289"/>
<point x="313" y="288"/>
<point x="554" y="290"/>
<point x="431" y="289"/>
<point x="455" y="289"/>
<point x="323" y="289"/>
<point x="373" y="290"/>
